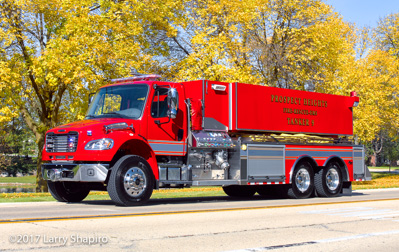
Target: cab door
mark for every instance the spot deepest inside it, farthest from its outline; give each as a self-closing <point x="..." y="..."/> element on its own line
<point x="166" y="136"/>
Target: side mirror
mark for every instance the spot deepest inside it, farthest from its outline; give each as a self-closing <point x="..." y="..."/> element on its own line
<point x="173" y="102"/>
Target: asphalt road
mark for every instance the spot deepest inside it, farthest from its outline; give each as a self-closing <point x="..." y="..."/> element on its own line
<point x="366" y="221"/>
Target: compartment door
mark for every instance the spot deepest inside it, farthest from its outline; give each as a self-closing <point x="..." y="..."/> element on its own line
<point x="266" y="162"/>
<point x="358" y="163"/>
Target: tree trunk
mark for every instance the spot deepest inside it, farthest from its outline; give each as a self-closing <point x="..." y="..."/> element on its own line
<point x="373" y="159"/>
<point x="41" y="184"/>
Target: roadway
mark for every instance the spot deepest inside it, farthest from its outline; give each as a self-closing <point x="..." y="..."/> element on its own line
<point x="366" y="221"/>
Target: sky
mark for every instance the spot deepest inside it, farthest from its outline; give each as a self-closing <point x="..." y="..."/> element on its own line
<point x="364" y="12"/>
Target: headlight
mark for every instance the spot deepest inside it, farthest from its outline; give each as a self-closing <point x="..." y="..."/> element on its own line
<point x="100" y="144"/>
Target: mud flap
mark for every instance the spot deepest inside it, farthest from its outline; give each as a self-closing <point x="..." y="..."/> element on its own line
<point x="347" y="189"/>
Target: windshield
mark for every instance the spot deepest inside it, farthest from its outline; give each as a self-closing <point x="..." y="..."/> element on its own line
<point x="125" y="101"/>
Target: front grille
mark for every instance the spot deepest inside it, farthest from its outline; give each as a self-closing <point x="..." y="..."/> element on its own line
<point x="62" y="142"/>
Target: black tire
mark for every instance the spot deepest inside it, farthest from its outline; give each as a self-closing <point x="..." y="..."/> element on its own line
<point x="240" y="191"/>
<point x="329" y="181"/>
<point x="302" y="185"/>
<point x="68" y="191"/>
<point x="131" y="181"/>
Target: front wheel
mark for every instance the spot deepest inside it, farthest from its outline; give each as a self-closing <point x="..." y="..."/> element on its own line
<point x="302" y="182"/>
<point x="131" y="182"/>
<point x="329" y="180"/>
<point x="68" y="191"/>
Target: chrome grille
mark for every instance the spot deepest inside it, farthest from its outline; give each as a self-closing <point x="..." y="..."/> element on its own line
<point x="62" y="142"/>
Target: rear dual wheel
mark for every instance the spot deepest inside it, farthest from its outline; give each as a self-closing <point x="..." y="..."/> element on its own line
<point x="329" y="181"/>
<point x="302" y="185"/>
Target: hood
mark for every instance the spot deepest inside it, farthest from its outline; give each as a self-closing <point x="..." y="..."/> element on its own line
<point x="89" y="124"/>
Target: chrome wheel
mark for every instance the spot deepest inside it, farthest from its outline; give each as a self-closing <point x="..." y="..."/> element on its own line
<point x="131" y="181"/>
<point x="134" y="181"/>
<point x="302" y="180"/>
<point x="332" y="179"/>
<point x="329" y="180"/>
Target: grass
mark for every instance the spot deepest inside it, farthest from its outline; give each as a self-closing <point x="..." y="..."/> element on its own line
<point x="384" y="168"/>
<point x="24" y="180"/>
<point x="380" y="180"/>
<point x="157" y="194"/>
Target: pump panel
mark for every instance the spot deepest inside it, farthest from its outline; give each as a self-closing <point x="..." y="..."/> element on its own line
<point x="204" y="139"/>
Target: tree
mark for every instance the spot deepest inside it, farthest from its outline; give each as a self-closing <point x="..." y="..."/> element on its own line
<point x="17" y="147"/>
<point x="378" y="87"/>
<point x="386" y="34"/>
<point x="53" y="53"/>
<point x="291" y="44"/>
<point x="379" y="122"/>
<point x="208" y="43"/>
<point x="391" y="152"/>
<point x="283" y="43"/>
<point x="300" y="44"/>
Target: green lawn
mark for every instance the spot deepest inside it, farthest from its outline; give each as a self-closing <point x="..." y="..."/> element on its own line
<point x="25" y="179"/>
<point x="384" y="168"/>
<point x="157" y="194"/>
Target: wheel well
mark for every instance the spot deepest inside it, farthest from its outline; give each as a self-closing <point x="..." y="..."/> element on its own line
<point x="308" y="159"/>
<point x="139" y="148"/>
<point x="342" y="166"/>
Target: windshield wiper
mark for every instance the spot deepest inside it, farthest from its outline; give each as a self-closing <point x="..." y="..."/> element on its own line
<point x="115" y="113"/>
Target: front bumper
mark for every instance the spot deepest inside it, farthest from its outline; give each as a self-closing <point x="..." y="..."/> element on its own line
<point x="75" y="172"/>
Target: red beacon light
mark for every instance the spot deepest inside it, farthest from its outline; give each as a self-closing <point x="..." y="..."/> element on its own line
<point x="356" y="102"/>
<point x="141" y="77"/>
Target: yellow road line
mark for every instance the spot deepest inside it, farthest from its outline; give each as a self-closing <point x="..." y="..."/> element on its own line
<point x="104" y="216"/>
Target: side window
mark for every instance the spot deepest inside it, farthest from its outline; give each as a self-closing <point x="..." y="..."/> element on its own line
<point x="159" y="106"/>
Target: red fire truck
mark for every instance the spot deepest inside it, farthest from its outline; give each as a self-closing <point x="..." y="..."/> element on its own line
<point x="141" y="134"/>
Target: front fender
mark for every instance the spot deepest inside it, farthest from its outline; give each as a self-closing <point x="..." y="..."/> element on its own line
<point x="140" y="148"/>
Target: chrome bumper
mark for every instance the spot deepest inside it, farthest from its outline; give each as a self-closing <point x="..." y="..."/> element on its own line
<point x="75" y="172"/>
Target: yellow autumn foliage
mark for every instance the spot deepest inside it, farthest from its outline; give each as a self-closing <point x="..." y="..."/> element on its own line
<point x="291" y="44"/>
<point x="54" y="53"/>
